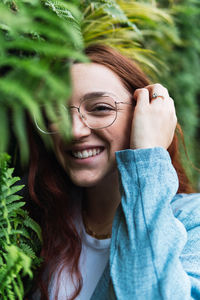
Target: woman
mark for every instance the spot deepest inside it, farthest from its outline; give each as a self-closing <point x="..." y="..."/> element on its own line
<point x="117" y="218"/>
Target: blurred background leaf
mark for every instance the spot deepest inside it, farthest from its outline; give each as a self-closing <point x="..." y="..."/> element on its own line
<point x="183" y="76"/>
<point x="37" y="41"/>
<point x="126" y="25"/>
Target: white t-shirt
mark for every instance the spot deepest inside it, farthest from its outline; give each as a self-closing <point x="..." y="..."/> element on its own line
<point x="93" y="260"/>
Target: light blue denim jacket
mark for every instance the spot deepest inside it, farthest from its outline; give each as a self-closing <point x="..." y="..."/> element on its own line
<point x="155" y="246"/>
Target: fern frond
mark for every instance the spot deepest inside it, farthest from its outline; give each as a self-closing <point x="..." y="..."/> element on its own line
<point x="12" y="198"/>
<point x="9" y="191"/>
<point x="13" y="207"/>
<point x="17" y="252"/>
<point x="30" y="223"/>
<point x="16" y="233"/>
<point x="27" y="250"/>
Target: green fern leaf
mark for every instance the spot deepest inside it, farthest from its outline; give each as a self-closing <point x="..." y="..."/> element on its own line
<point x="11" y="191"/>
<point x="30" y="223"/>
<point x="27" y="250"/>
<point x="14" y="206"/>
<point x="17" y="254"/>
<point x="12" y="198"/>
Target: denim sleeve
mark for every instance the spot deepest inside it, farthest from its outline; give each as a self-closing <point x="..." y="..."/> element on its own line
<point x="148" y="241"/>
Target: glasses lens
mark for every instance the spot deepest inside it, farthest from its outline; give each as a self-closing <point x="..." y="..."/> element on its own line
<point x="99" y="112"/>
<point x="51" y="118"/>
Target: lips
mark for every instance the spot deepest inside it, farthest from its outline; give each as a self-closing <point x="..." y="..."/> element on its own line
<point x="85" y="153"/>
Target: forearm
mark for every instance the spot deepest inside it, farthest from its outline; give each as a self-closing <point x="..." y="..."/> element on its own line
<point x="147" y="238"/>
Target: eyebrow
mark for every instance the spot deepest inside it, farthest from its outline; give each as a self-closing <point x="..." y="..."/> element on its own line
<point x="94" y="94"/>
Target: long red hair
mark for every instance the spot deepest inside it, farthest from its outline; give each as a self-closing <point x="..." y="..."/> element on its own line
<point x="50" y="202"/>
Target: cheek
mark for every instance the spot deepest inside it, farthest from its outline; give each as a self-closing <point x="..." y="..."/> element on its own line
<point x="117" y="136"/>
<point x="121" y="134"/>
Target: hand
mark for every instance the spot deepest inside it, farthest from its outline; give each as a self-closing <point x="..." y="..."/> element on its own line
<point x="154" y="119"/>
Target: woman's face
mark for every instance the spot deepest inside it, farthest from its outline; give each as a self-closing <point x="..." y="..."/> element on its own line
<point x="100" y="166"/>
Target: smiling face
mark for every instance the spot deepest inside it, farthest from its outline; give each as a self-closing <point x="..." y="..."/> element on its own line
<point x="90" y="157"/>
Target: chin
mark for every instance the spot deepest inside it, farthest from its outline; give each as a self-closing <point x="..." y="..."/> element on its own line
<point x="86" y="181"/>
<point x="91" y="178"/>
<point x="85" y="184"/>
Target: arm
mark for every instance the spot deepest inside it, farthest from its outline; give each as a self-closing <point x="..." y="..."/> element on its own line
<point x="152" y="256"/>
<point x="147" y="239"/>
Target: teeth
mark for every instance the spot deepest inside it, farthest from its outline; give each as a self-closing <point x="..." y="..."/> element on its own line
<point x="79" y="155"/>
<point x="86" y="153"/>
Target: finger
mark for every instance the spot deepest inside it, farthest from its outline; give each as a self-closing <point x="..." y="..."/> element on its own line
<point x="171" y="101"/>
<point x="157" y="92"/>
<point x="173" y="109"/>
<point x="141" y="96"/>
<point x="171" y="104"/>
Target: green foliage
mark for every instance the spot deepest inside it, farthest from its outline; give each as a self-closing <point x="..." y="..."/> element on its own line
<point x="20" y="236"/>
<point x="182" y="76"/>
<point x="126" y="25"/>
<point x="38" y="39"/>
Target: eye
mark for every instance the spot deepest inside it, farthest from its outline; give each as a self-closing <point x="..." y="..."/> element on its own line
<point x="100" y="110"/>
<point x="99" y="106"/>
<point x="102" y="107"/>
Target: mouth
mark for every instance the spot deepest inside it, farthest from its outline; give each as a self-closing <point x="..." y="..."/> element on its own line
<point x="86" y="153"/>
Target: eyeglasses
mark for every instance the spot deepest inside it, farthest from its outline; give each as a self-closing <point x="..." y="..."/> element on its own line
<point x="97" y="112"/>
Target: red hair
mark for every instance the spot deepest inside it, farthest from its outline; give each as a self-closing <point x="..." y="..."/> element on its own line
<point x="49" y="186"/>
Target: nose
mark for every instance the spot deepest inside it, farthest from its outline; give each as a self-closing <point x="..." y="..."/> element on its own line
<point x="79" y="128"/>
